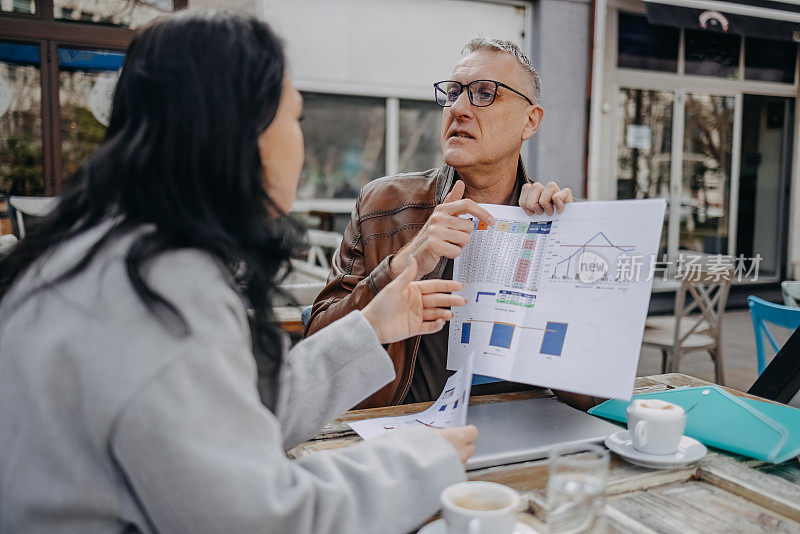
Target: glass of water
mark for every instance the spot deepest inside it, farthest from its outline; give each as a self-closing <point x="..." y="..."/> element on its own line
<point x="575" y="487"/>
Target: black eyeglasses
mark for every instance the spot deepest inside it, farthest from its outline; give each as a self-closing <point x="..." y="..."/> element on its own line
<point x="481" y="93"/>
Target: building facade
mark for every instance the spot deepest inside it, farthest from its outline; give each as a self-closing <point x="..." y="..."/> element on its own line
<point x="665" y="99"/>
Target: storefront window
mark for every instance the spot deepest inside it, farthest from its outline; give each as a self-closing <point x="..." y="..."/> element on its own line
<point x="26" y="7"/>
<point x="645" y="46"/>
<point x="121" y="13"/>
<point x="712" y="54"/>
<point x="21" y="171"/>
<point x="703" y="216"/>
<point x="345" y="141"/>
<point x="420" y="127"/>
<point x="769" y="61"/>
<point x="86" y="87"/>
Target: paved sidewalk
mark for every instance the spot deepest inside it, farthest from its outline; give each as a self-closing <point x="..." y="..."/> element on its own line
<point x="739" y="354"/>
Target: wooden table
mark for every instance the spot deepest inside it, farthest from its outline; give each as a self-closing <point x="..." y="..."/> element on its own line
<point x="290" y="319"/>
<point x="721" y="493"/>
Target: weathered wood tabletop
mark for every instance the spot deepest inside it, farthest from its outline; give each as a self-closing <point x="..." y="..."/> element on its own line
<point x="721" y="493"/>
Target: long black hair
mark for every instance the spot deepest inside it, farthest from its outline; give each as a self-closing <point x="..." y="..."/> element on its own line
<point x="181" y="154"/>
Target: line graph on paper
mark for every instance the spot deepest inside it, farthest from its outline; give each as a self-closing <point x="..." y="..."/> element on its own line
<point x="568" y="259"/>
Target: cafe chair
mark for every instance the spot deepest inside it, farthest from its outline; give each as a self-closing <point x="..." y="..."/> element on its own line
<point x="780" y="380"/>
<point x="301" y="286"/>
<point x="297" y="291"/>
<point x="7" y="244"/>
<point x="307" y="278"/>
<point x="697" y="323"/>
<point x="790" y="290"/>
<point x="31" y="206"/>
<point x="763" y="312"/>
<point x="305" y="315"/>
<point x="320" y="246"/>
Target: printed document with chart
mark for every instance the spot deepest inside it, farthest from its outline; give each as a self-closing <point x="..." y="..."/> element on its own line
<point x="558" y="300"/>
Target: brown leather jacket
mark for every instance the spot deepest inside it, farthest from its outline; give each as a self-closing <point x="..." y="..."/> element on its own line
<point x="388" y="214"/>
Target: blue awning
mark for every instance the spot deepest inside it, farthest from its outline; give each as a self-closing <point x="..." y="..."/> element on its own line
<point x="96" y="60"/>
<point x="68" y="58"/>
<point x="19" y="54"/>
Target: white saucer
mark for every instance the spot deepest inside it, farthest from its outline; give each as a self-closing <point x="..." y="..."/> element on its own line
<point x="439" y="527"/>
<point x="689" y="451"/>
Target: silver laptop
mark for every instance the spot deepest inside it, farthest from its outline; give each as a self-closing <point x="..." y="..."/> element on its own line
<point x="517" y="431"/>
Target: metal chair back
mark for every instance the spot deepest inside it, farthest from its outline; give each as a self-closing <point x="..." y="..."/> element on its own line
<point x="319" y="241"/>
<point x="708" y="294"/>
<point x="697" y="322"/>
<point x="763" y="312"/>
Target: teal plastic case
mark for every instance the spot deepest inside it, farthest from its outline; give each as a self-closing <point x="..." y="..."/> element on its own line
<point x="749" y="427"/>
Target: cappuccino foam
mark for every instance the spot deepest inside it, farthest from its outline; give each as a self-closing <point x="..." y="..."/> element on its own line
<point x="478" y="502"/>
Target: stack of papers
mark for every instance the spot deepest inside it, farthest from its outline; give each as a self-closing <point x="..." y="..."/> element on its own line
<point x="558" y="300"/>
<point x="449" y="410"/>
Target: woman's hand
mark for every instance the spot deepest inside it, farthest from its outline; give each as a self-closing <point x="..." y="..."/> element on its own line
<point x="404" y="308"/>
<point x="463" y="439"/>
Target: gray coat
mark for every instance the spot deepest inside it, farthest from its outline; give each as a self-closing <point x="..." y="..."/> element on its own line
<point x="109" y="422"/>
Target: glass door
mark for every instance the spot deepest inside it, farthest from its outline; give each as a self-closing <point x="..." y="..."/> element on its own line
<point x="644" y="148"/>
<point x="767" y="123"/>
<point x="678" y="147"/>
<point x="706" y="177"/>
<point x="724" y="195"/>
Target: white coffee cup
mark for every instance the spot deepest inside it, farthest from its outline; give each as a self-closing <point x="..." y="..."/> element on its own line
<point x="655" y="426"/>
<point x="479" y="508"/>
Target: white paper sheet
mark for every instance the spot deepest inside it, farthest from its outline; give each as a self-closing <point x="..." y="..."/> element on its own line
<point x="449" y="410"/>
<point x="558" y="300"/>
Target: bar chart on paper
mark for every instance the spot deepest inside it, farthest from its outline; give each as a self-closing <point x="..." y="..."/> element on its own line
<point x="501" y="335"/>
<point x="547" y="294"/>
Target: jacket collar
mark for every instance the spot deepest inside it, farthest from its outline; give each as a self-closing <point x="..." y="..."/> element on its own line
<point x="447" y="176"/>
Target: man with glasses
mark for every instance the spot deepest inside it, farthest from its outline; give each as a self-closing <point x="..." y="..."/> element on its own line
<point x="490" y="107"/>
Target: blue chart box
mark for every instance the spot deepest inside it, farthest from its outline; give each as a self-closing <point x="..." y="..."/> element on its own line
<point x="501" y="335"/>
<point x="465" y="328"/>
<point x="553" y="340"/>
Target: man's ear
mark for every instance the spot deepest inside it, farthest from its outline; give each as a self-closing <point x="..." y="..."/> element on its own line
<point x="534" y="120"/>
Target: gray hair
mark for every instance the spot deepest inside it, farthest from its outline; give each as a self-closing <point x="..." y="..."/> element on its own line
<point x="482" y="43"/>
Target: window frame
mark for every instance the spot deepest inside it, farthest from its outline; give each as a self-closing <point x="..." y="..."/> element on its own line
<point x="37" y="15"/>
<point x="393" y="102"/>
<point x="42" y="29"/>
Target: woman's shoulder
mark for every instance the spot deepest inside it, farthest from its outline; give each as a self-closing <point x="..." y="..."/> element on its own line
<point x="96" y="333"/>
<point x="106" y="296"/>
<point x="197" y="284"/>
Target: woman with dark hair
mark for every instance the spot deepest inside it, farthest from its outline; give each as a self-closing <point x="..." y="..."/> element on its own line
<point x="144" y="385"/>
